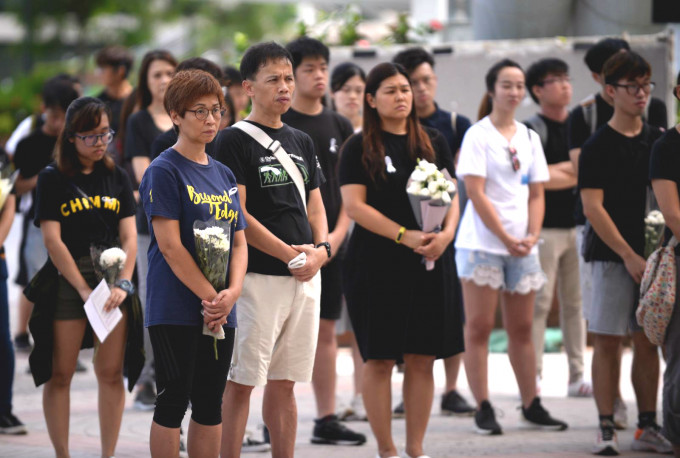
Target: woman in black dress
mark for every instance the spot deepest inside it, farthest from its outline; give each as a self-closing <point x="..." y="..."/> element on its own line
<point x="400" y="311"/>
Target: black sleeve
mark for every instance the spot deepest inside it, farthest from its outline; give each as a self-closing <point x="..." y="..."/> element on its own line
<point x="230" y="151"/>
<point x="351" y="169"/>
<point x="658" y="115"/>
<point x="443" y="152"/>
<point x="462" y="125"/>
<point x="591" y="167"/>
<point x="163" y="142"/>
<point x="22" y="160"/>
<point x="128" y="205"/>
<point x="49" y="188"/>
<point x="577" y="130"/>
<point x="664" y="162"/>
<point x="135" y="138"/>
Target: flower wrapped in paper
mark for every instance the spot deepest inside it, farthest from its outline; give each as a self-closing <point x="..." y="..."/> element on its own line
<point x="654" y="227"/>
<point x="430" y="191"/>
<point x="107" y="263"/>
<point x="213" y="243"/>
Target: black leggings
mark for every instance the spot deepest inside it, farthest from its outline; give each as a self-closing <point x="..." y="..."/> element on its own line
<point x="186" y="370"/>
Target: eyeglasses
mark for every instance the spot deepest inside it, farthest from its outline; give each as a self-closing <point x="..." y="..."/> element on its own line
<point x="634" y="88"/>
<point x="558" y="79"/>
<point x="91" y="140"/>
<point x="513" y="158"/>
<point x="202" y="113"/>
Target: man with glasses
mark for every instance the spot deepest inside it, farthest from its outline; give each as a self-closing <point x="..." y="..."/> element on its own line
<point x="549" y="86"/>
<point x="613" y="181"/>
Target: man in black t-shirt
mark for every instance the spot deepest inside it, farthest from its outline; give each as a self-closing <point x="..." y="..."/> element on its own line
<point x="33" y="154"/>
<point x="328" y="130"/>
<point x="548" y="85"/>
<point x="613" y="181"/>
<point x="278" y="309"/>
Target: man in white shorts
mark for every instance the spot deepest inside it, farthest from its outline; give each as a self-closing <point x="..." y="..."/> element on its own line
<point x="278" y="311"/>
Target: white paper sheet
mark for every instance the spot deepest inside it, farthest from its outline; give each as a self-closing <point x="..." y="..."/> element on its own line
<point x="102" y="322"/>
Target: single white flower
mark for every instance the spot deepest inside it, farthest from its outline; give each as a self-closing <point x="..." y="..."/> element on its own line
<point x="419" y="175"/>
<point x="112" y="257"/>
<point x="446" y="198"/>
<point x="424" y="192"/>
<point x="433" y="187"/>
<point x="414" y="188"/>
<point x="450" y="186"/>
<point x="437" y="195"/>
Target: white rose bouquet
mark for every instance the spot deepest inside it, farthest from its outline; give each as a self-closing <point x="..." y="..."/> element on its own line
<point x="430" y="191"/>
<point x="654" y="227"/>
<point x="7" y="179"/>
<point x="213" y="242"/>
<point x="107" y="263"/>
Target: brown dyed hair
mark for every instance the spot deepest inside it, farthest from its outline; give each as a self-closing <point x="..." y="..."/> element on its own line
<point x="84" y="113"/>
<point x="419" y="145"/>
<point x="186" y="87"/>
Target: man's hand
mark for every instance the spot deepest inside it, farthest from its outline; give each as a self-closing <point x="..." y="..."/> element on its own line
<point x="635" y="265"/>
<point x="316" y="257"/>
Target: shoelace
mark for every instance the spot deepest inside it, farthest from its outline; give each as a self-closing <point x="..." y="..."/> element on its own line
<point x="607" y="432"/>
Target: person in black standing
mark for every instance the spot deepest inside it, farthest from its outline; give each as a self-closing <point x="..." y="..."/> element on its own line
<point x="329" y="131"/>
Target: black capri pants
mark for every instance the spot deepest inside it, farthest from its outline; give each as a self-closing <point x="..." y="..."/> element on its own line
<point x="186" y="370"/>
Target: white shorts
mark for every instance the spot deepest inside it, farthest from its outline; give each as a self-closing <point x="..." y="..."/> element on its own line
<point x="278" y="327"/>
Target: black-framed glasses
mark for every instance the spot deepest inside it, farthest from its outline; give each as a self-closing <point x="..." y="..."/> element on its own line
<point x="634" y="88"/>
<point x="513" y="158"/>
<point x="91" y="140"/>
<point x="202" y="113"/>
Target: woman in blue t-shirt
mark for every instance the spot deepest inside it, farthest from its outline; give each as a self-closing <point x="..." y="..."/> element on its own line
<point x="182" y="186"/>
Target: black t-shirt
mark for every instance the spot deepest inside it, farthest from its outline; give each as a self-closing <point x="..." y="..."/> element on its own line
<point x="619" y="165"/>
<point x="4" y="162"/>
<point x="140" y="132"/>
<point x="559" y="205"/>
<point x="33" y="154"/>
<point x="168" y="139"/>
<point x="109" y="193"/>
<point x="271" y="195"/>
<point x="116" y="106"/>
<point x="441" y="120"/>
<point x="665" y="163"/>
<point x="579" y="130"/>
<point x="328" y="130"/>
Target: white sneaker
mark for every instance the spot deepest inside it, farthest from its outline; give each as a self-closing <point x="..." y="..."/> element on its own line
<point x="606" y="443"/>
<point x="620" y="414"/>
<point x="580" y="389"/>
<point x="355" y="411"/>
<point x="650" y="439"/>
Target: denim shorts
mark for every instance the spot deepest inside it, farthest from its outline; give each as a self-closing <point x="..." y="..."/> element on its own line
<point x="510" y="273"/>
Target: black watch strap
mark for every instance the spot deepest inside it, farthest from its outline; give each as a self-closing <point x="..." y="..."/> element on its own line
<point x="125" y="285"/>
<point x="327" y="246"/>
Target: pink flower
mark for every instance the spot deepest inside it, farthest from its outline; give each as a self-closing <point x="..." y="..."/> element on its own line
<point x="436" y="25"/>
<point x="364" y="43"/>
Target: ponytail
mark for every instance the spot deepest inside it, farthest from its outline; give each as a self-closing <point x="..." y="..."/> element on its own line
<point x="485" y="106"/>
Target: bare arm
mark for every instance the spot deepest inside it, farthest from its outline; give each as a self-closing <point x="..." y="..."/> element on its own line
<point x="139" y="166"/>
<point x="7" y="217"/>
<point x="316" y="257"/>
<point x="593" y="208"/>
<point x="127" y="229"/>
<point x="666" y="192"/>
<point x="536" y="212"/>
<point x="574" y="154"/>
<point x="62" y="259"/>
<point x="337" y="236"/>
<point x="562" y="176"/>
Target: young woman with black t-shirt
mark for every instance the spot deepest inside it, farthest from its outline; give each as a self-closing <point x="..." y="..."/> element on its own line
<point x="70" y="223"/>
<point x="400" y="312"/>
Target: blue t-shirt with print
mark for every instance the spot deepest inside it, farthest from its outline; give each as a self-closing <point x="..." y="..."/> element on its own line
<point x="177" y="188"/>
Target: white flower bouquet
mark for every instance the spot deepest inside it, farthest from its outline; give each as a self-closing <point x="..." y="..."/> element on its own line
<point x="107" y="262"/>
<point x="654" y="228"/>
<point x="213" y="243"/>
<point x="430" y="191"/>
<point x="7" y="178"/>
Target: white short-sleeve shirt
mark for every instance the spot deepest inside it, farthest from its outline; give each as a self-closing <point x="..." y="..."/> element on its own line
<point x="485" y="152"/>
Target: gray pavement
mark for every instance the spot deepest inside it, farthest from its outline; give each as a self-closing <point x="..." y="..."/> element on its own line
<point x="446" y="436"/>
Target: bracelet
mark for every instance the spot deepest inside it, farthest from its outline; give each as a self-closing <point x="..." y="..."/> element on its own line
<point x="400" y="235"/>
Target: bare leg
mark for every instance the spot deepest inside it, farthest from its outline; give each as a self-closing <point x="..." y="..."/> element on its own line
<point x="418" y="394"/>
<point x="108" y="367"/>
<point x="324" y="375"/>
<point x="358" y="365"/>
<point x="452" y="368"/>
<point x="378" y="402"/>
<point x="279" y="412"/>
<point x="164" y="442"/>
<point x="480" y="306"/>
<point x="606" y="364"/>
<point x="25" y="310"/>
<point x="645" y="372"/>
<point x="68" y="335"/>
<point x="204" y="440"/>
<point x="235" y="407"/>
<point x="518" y="316"/>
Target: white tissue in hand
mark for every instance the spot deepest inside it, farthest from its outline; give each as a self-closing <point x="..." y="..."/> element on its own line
<point x="298" y="261"/>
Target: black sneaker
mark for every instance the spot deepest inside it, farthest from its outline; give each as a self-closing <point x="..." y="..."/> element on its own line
<point x="265" y="435"/>
<point x="485" y="420"/>
<point x="22" y="343"/>
<point x="146" y="397"/>
<point x="454" y="404"/>
<point x="398" y="411"/>
<point x="537" y="416"/>
<point x="329" y="430"/>
<point x="251" y="445"/>
<point x="9" y="424"/>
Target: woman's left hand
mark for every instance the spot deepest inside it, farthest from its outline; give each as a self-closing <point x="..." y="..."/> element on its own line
<point x="433" y="249"/>
<point x="219" y="307"/>
<point x="115" y="299"/>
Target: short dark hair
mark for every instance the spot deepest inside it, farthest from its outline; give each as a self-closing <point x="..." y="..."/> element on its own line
<point x="538" y="71"/>
<point x="307" y="47"/>
<point x="199" y="63"/>
<point x="411" y="58"/>
<point x="344" y="72"/>
<point x="259" y="55"/>
<point x="625" y="65"/>
<point x="59" y="92"/>
<point x="603" y="50"/>
<point x="115" y="56"/>
<point x="232" y="76"/>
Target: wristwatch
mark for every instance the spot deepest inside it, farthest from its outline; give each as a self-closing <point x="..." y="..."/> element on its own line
<point x="125" y="285"/>
<point x="327" y="246"/>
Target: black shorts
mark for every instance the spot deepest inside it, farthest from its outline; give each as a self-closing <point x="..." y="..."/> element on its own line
<point x="331" y="290"/>
<point x="186" y="370"/>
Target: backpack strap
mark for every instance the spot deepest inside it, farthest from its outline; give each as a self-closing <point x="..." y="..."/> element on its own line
<point x="589" y="108"/>
<point x="454" y="119"/>
<point x="540" y="127"/>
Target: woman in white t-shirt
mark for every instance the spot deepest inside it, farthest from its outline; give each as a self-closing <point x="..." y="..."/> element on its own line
<point x="503" y="165"/>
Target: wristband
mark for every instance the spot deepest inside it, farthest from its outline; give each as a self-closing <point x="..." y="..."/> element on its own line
<point x="400" y="235"/>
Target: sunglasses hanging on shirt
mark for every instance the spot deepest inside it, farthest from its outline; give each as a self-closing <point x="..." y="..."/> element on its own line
<point x="513" y="158"/>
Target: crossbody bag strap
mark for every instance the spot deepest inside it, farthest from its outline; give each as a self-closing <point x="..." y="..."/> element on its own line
<point x="275" y="147"/>
<point x="79" y="192"/>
